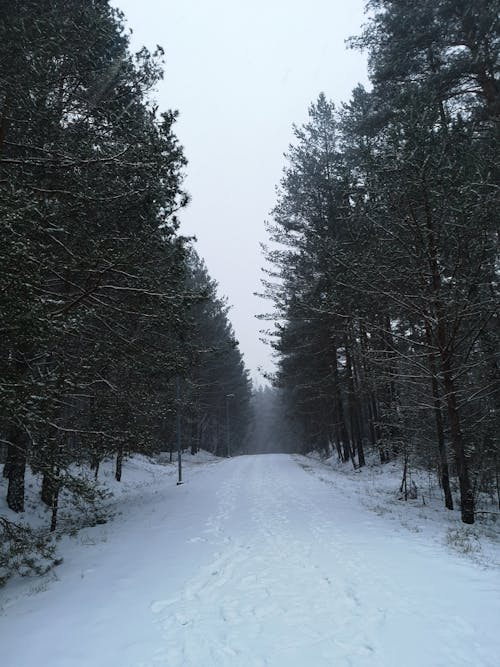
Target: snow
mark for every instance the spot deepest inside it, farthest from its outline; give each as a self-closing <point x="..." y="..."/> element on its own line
<point x="269" y="560"/>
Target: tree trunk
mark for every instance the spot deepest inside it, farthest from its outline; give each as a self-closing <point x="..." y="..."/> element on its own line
<point x="56" y="485"/>
<point x="404" y="484"/>
<point x="443" y="459"/>
<point x="445" y="352"/>
<point x="358" y="383"/>
<point x="466" y="492"/>
<point x="338" y="445"/>
<point x="119" y="463"/>
<point x="4" y="123"/>
<point x="49" y="486"/>
<point x="370" y="395"/>
<point x="339" y="409"/>
<point x="195" y="442"/>
<point x="55" y="507"/>
<point x="16" y="468"/>
<point x="353" y="403"/>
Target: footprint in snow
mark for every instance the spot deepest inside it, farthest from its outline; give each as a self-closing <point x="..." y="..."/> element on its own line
<point x="158" y="606"/>
<point x="182" y="620"/>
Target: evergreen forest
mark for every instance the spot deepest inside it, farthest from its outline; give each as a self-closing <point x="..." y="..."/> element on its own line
<point x="382" y="261"/>
<point x="111" y="327"/>
<point x="381" y="270"/>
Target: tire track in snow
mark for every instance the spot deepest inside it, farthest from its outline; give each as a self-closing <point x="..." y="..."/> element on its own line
<point x="332" y="600"/>
<point x="299" y="575"/>
<point x="262" y="600"/>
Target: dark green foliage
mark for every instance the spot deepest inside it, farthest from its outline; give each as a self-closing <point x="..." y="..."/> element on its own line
<point x="387" y="251"/>
<point x="97" y="297"/>
<point x="23" y="551"/>
<point x="93" y="285"/>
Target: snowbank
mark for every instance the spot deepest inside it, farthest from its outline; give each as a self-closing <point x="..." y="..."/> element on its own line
<point x="376" y="487"/>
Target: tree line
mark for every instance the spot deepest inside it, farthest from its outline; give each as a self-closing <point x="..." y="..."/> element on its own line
<point x="104" y="305"/>
<point x="383" y="254"/>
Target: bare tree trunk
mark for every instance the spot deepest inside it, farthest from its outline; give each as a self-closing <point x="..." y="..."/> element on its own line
<point x="195" y="441"/>
<point x="119" y="463"/>
<point x="357" y="384"/>
<point x="339" y="410"/>
<point x="353" y="404"/>
<point x="466" y="492"/>
<point x="55" y="507"/>
<point x="404" y="483"/>
<point x="337" y="439"/>
<point x="49" y="486"/>
<point x="443" y="459"/>
<point x="370" y="396"/>
<point x="445" y="353"/>
<point x="55" y="496"/>
<point x="4" y="123"/>
<point x="16" y="468"/>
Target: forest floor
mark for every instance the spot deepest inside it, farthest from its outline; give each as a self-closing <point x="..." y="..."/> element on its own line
<point x="270" y="560"/>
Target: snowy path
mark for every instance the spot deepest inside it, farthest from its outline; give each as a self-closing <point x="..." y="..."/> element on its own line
<point x="256" y="562"/>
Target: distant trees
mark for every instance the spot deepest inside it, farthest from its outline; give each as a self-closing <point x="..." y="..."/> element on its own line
<point x="100" y="310"/>
<point x="386" y="251"/>
<point x="217" y="390"/>
<point x="272" y="429"/>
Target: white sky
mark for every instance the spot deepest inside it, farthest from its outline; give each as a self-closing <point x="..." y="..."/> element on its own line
<point x="241" y="72"/>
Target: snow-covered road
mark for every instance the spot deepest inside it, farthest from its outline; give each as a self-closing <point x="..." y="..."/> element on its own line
<point x="256" y="562"/>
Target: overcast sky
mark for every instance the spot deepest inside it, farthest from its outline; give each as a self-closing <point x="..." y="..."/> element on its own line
<point x="240" y="72"/>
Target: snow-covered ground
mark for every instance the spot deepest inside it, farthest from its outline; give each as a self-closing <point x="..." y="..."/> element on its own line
<point x="377" y="488"/>
<point x="259" y="561"/>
